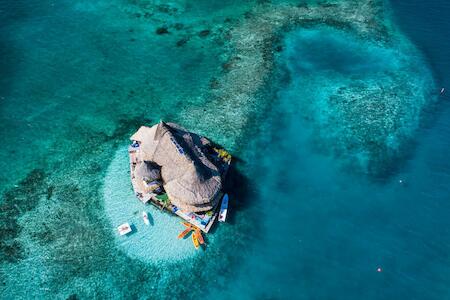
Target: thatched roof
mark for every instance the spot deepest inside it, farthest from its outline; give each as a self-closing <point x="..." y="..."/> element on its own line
<point x="191" y="181"/>
<point x="147" y="171"/>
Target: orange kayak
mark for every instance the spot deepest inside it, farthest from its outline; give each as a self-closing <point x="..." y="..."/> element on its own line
<point x="195" y="241"/>
<point x="199" y="237"/>
<point x="188" y="225"/>
<point x="183" y="234"/>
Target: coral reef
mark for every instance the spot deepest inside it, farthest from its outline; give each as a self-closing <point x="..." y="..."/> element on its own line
<point x="379" y="114"/>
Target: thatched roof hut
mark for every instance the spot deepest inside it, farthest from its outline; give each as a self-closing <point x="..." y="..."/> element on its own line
<point x="191" y="181"/>
<point x="148" y="171"/>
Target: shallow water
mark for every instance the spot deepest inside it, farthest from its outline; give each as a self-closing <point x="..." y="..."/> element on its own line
<point x="339" y="134"/>
<point x="154" y="243"/>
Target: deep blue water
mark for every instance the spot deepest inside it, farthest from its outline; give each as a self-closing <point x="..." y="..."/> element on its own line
<point x="426" y="23"/>
<point x="324" y="192"/>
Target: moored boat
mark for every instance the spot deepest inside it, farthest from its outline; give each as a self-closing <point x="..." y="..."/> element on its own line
<point x="125" y="228"/>
<point x="223" y="209"/>
<point x="184" y="233"/>
<point x="199" y="236"/>
<point x="195" y="241"/>
<point x="145" y="218"/>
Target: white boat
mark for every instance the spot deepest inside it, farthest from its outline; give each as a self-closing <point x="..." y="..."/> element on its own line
<point x="223" y="208"/>
<point x="125" y="228"/>
<point x="145" y="218"/>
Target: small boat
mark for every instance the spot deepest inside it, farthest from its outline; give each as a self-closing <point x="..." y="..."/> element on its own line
<point x="145" y="218"/>
<point x="125" y="228"/>
<point x="184" y="233"/>
<point x="442" y="91"/>
<point x="223" y="209"/>
<point x="195" y="241"/>
<point x="199" y="237"/>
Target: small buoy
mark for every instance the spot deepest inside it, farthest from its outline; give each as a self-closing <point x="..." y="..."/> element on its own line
<point x="400" y="181"/>
<point x="442" y="91"/>
<point x="379" y="270"/>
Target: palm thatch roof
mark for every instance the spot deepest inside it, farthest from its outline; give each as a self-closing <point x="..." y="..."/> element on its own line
<point x="148" y="171"/>
<point x="192" y="182"/>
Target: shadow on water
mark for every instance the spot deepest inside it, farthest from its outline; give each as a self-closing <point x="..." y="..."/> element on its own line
<point x="133" y="231"/>
<point x="237" y="186"/>
<point x="150" y="219"/>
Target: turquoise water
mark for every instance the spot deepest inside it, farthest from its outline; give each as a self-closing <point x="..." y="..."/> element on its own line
<point x="332" y="111"/>
<point x="148" y="243"/>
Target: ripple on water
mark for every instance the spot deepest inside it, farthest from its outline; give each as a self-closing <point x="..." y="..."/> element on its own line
<point x="157" y="243"/>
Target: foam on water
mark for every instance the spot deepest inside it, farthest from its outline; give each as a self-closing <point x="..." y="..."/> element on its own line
<point x="157" y="242"/>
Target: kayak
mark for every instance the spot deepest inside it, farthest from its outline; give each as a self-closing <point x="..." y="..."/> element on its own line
<point x="145" y="218"/>
<point x="195" y="241"/>
<point x="223" y="209"/>
<point x="199" y="237"/>
<point x="184" y="233"/>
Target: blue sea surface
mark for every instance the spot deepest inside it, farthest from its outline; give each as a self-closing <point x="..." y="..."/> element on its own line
<point x="340" y="184"/>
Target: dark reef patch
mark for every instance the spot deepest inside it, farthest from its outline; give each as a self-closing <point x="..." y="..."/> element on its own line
<point x="214" y="84"/>
<point x="72" y="297"/>
<point x="167" y="9"/>
<point x="230" y="63"/>
<point x="15" y="203"/>
<point x="69" y="233"/>
<point x="182" y="41"/>
<point x="178" y="26"/>
<point x="162" y="30"/>
<point x="204" y="33"/>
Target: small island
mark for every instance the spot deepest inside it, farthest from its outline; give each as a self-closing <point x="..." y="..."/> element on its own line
<point x="178" y="171"/>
